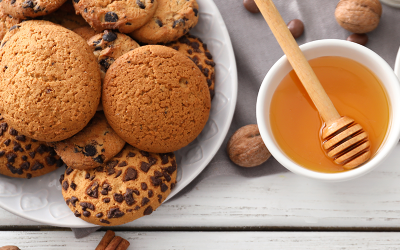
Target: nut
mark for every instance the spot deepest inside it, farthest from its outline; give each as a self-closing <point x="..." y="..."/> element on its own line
<point x="246" y="148"/>
<point x="9" y="248"/>
<point x="358" y="16"/>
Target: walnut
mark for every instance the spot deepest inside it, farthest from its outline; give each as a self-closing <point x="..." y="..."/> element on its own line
<point x="246" y="148"/>
<point x="358" y="16"/>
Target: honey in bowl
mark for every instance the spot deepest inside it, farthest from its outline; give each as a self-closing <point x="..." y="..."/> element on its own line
<point x="355" y="91"/>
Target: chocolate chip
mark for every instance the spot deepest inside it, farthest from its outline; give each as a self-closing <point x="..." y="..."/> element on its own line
<point x="171" y="169"/>
<point x="76" y="1"/>
<point x="115" y="213"/>
<point x="296" y="27"/>
<point x="99" y="215"/>
<point x="130" y="154"/>
<point x="42" y="148"/>
<point x="144" y="153"/>
<point x="61" y="178"/>
<point x="159" y="23"/>
<point x="148" y="210"/>
<point x="3" y="126"/>
<point x="144" y="166"/>
<point x="106" y="200"/>
<point x="130" y="174"/>
<point x="155" y="181"/>
<point x="73" y="186"/>
<point x="129" y="197"/>
<point x="137" y="208"/>
<point x="86" y="213"/>
<point x="173" y="185"/>
<point x="144" y="186"/>
<point x="206" y="72"/>
<point x="28" y="176"/>
<point x="74" y="200"/>
<point x="65" y="185"/>
<point x="129" y="210"/>
<point x="28" y="147"/>
<point x="358" y="38"/>
<point x="208" y="55"/>
<point x="87" y="176"/>
<point x="32" y="154"/>
<point x="145" y="200"/>
<point x="90" y="150"/>
<point x="104" y="192"/>
<point x="14" y="170"/>
<point x="195" y="45"/>
<point x="196" y="11"/>
<point x="20" y="138"/>
<point x="128" y="23"/>
<point x="25" y="165"/>
<point x="99" y="159"/>
<point x="140" y="4"/>
<point x="164" y="187"/>
<point x="2" y="153"/>
<point x="177" y="22"/>
<point x="7" y="142"/>
<point x="106" y="63"/>
<point x="104" y="221"/>
<point x="251" y="6"/>
<point x="211" y="63"/>
<point x="93" y="190"/>
<point x="77" y="214"/>
<point x="13" y="132"/>
<point x="24" y="157"/>
<point x="118" y="198"/>
<point x="50" y="160"/>
<point x="69" y="170"/>
<point x="122" y="164"/>
<point x="159" y="198"/>
<point x="92" y="177"/>
<point x="150" y="193"/>
<point x="87" y="205"/>
<point x="111" y="17"/>
<point x="119" y="172"/>
<point x="166" y="176"/>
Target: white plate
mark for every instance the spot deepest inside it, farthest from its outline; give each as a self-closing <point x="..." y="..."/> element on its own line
<point x="397" y="65"/>
<point x="39" y="199"/>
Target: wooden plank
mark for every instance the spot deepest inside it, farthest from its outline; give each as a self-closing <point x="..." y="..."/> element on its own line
<point x="280" y="200"/>
<point x="209" y="240"/>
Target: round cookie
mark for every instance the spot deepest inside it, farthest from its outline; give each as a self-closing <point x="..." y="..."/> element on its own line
<point x="133" y="184"/>
<point x="23" y="157"/>
<point x="108" y="46"/>
<point x="6" y="22"/>
<point x="85" y="32"/>
<point x="122" y="15"/>
<point x="96" y="144"/>
<point x="172" y="20"/>
<point x="25" y="9"/>
<point x="196" y="50"/>
<point x="50" y="83"/>
<point x="156" y="99"/>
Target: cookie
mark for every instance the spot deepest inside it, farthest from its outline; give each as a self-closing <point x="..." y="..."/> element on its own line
<point x="50" y="82"/>
<point x="23" y="157"/>
<point x="108" y="46"/>
<point x="156" y="99"/>
<point x="66" y="17"/>
<point x="96" y="144"/>
<point x="85" y="32"/>
<point x="196" y="50"/>
<point x="133" y="184"/>
<point x="172" y="20"/>
<point x="122" y="15"/>
<point x="25" y="9"/>
<point x="6" y="22"/>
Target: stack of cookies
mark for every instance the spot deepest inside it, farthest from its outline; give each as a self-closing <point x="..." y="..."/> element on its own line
<point x="83" y="85"/>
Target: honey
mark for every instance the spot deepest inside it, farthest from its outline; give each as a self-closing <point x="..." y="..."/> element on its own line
<point x="355" y="91"/>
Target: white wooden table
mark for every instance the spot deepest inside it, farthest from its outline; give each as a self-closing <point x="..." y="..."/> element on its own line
<point x="278" y="211"/>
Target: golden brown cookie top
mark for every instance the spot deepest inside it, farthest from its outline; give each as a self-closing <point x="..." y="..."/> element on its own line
<point x="133" y="184"/>
<point x="122" y="15"/>
<point x="6" y="22"/>
<point x="49" y="83"/>
<point x="108" y="46"/>
<point x="23" y="157"/>
<point x="156" y="99"/>
<point x="96" y="144"/>
<point x="25" y="9"/>
<point x="171" y="20"/>
<point x="196" y="50"/>
<point x="85" y="32"/>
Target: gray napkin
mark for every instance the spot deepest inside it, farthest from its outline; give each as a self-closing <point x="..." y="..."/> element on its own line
<point x="256" y="50"/>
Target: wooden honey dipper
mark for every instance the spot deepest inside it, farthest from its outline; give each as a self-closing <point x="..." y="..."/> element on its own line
<point x="343" y="139"/>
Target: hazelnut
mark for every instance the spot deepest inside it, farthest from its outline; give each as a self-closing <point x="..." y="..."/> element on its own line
<point x="358" y="16"/>
<point x="9" y="248"/>
<point x="246" y="148"/>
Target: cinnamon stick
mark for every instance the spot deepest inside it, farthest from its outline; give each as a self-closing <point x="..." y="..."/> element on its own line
<point x="123" y="245"/>
<point x="107" y="238"/>
<point x="114" y="243"/>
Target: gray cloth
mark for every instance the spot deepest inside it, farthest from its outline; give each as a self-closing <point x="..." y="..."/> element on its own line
<point x="256" y="50"/>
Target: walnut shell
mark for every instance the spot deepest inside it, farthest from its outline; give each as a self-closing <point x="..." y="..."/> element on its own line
<point x="9" y="248"/>
<point x="358" y="16"/>
<point x="246" y="148"/>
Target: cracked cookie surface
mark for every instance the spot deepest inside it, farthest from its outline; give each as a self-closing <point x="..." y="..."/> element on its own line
<point x="156" y="99"/>
<point x="131" y="185"/>
<point x="50" y="83"/>
<point x="25" y="9"/>
<point x="96" y="144"/>
<point x="122" y="15"/>
<point x="171" y="20"/>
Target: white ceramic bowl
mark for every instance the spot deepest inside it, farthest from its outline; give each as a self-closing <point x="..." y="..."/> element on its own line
<point x="331" y="47"/>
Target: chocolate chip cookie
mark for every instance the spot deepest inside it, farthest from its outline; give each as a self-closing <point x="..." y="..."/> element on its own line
<point x="156" y="98"/>
<point x="96" y="144"/>
<point x="6" y="22"/>
<point x="122" y="15"/>
<point x="23" y="157"/>
<point x="50" y="82"/>
<point x="133" y="184"/>
<point x="171" y="20"/>
<point x="108" y="46"/>
<point x="25" y="9"/>
<point x="85" y="32"/>
<point x="196" y="50"/>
